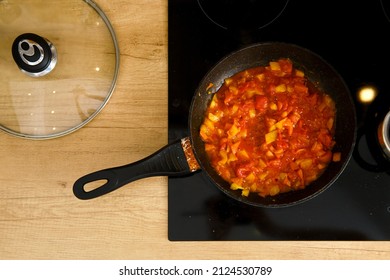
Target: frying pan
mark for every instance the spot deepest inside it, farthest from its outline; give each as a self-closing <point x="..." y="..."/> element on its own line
<point x="188" y="155"/>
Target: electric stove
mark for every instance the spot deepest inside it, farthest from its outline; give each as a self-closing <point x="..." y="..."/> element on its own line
<point x="354" y="40"/>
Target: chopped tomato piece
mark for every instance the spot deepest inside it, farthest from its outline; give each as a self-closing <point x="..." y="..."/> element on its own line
<point x="261" y="103"/>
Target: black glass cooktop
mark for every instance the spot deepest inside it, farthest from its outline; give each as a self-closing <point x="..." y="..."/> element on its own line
<point x="354" y="40"/>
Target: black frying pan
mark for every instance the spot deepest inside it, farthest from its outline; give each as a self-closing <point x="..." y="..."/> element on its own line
<point x="174" y="159"/>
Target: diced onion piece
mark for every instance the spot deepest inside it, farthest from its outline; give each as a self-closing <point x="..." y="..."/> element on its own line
<point x="281" y="88"/>
<point x="233" y="89"/>
<point x="234" y="147"/>
<point x="274" y="190"/>
<point x="261" y="77"/>
<point x="251" y="177"/>
<point x="209" y="124"/>
<point x="235" y="187"/>
<point x="224" y="157"/>
<point x="306" y="163"/>
<point x="279" y="124"/>
<point x="234" y="109"/>
<point x="282" y="175"/>
<point x="252" y="113"/>
<point x="269" y="154"/>
<point x="228" y="81"/>
<point x="232" y="157"/>
<point x="273" y="106"/>
<point x="328" y="100"/>
<point x="213" y="117"/>
<point x="294" y="117"/>
<point x="299" y="73"/>
<point x="262" y="164"/>
<point x="243" y="154"/>
<point x="317" y="146"/>
<point x="271" y="136"/>
<point x="249" y="93"/>
<point x="275" y="66"/>
<point x="253" y="187"/>
<point x="330" y="122"/>
<point x="321" y="166"/>
<point x="300" y="174"/>
<point x="214" y="102"/>
<point x="336" y="157"/>
<point x="263" y="175"/>
<point x="245" y="192"/>
<point x="233" y="131"/>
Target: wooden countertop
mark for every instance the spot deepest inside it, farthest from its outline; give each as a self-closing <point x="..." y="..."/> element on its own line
<point x="40" y="218"/>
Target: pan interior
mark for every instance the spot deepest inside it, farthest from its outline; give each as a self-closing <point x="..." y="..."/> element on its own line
<point x="319" y="72"/>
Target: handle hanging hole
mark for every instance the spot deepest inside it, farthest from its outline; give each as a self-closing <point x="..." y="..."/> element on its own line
<point x="94" y="185"/>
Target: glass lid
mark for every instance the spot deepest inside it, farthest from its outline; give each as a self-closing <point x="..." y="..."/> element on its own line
<point x="59" y="62"/>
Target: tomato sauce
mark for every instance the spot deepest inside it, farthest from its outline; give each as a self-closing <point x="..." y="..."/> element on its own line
<point x="268" y="130"/>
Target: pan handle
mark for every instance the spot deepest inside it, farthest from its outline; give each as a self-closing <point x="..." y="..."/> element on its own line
<point x="168" y="161"/>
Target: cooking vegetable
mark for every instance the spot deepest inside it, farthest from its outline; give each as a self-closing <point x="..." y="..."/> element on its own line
<point x="268" y="130"/>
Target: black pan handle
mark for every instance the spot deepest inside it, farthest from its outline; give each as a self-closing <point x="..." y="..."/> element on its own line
<point x="168" y="161"/>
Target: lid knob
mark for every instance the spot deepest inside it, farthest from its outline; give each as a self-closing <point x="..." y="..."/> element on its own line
<point x="34" y="55"/>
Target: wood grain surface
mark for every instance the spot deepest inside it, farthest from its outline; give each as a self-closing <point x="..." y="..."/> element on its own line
<point x="40" y="218"/>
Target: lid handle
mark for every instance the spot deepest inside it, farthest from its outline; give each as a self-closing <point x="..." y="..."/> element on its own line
<point x="34" y="55"/>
